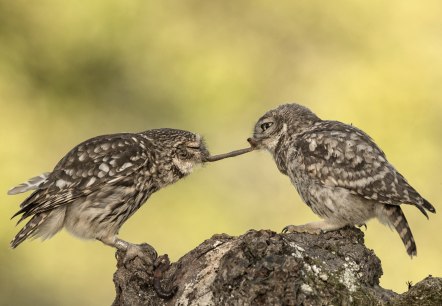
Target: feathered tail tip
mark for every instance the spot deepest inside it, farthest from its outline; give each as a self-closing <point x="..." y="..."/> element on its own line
<point x="399" y="222"/>
<point x="31" y="184"/>
<point x="30" y="230"/>
<point x="427" y="205"/>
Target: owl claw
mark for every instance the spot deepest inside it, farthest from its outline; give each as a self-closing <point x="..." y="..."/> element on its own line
<point x="141" y="251"/>
<point x="362" y="225"/>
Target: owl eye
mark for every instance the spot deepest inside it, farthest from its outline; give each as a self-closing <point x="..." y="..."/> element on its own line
<point x="266" y="125"/>
<point x="182" y="153"/>
<point x="193" y="147"/>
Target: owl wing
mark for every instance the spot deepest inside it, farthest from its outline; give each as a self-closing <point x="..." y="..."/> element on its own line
<point x="340" y="155"/>
<point x="100" y="161"/>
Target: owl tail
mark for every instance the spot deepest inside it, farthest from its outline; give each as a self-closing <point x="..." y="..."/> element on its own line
<point x="397" y="219"/>
<point x="31" y="184"/>
<point x="427" y="205"/>
<point x="29" y="230"/>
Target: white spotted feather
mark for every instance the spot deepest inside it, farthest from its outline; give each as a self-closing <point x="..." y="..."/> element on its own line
<point x="31" y="184"/>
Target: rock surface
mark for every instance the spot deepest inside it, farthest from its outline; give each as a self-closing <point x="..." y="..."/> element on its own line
<point x="266" y="268"/>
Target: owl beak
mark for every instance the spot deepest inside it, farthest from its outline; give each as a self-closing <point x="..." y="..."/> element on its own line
<point x="253" y="142"/>
<point x="205" y="155"/>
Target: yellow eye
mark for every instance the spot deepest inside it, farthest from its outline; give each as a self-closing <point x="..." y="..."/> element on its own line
<point x="266" y="125"/>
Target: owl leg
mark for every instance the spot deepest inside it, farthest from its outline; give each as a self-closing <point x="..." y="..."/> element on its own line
<point x="131" y="250"/>
<point x="314" y="228"/>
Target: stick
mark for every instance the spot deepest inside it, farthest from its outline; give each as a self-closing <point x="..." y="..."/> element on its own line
<point x="230" y="154"/>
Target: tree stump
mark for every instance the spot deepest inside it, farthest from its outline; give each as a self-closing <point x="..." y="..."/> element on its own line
<point x="267" y="268"/>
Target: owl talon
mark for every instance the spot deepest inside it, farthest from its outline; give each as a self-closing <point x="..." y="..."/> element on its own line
<point x="147" y="247"/>
<point x="144" y="251"/>
<point x="362" y="225"/>
<point x="285" y="230"/>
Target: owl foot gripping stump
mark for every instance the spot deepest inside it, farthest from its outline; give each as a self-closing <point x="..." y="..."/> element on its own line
<point x="266" y="268"/>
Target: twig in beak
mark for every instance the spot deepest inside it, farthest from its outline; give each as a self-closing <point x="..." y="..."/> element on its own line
<point x="230" y="154"/>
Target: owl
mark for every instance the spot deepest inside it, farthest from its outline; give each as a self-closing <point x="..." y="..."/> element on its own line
<point x="338" y="171"/>
<point x="101" y="182"/>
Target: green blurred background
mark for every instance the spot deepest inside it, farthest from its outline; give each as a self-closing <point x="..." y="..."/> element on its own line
<point x="70" y="71"/>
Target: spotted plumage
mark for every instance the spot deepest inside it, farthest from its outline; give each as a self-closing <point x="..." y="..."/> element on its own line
<point x="338" y="170"/>
<point x="101" y="182"/>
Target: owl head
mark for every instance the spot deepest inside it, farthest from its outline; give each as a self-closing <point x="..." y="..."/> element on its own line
<point x="185" y="149"/>
<point x="285" y="120"/>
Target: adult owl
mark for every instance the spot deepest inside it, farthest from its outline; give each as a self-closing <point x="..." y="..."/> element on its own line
<point x="338" y="171"/>
<point x="102" y="181"/>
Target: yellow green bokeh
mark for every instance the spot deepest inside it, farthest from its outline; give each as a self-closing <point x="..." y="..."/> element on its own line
<point x="72" y="70"/>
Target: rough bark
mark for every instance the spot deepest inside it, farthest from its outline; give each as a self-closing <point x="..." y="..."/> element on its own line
<point x="266" y="268"/>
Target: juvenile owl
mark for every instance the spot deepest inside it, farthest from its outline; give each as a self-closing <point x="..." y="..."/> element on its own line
<point x="338" y="171"/>
<point x="101" y="182"/>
